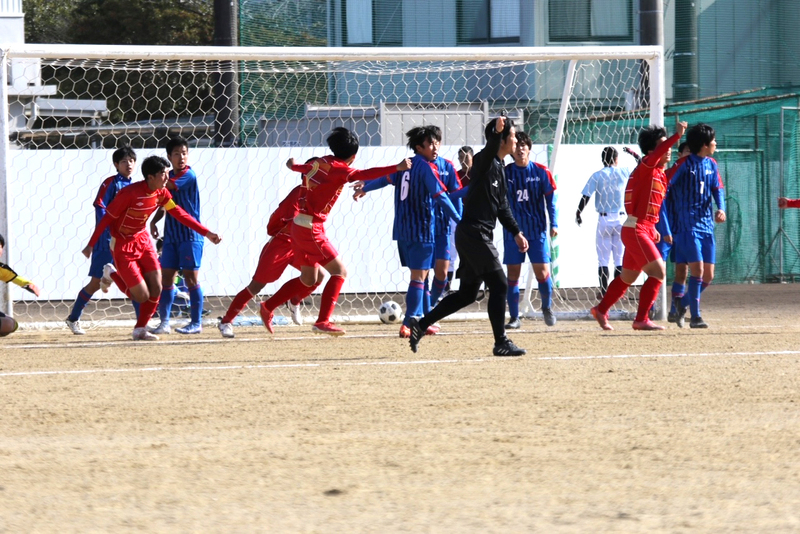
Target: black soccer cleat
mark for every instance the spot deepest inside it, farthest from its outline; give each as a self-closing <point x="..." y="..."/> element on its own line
<point x="416" y="333"/>
<point x="514" y="324"/>
<point x="507" y="348"/>
<point x="549" y="317"/>
<point x="680" y="313"/>
<point x="697" y="322"/>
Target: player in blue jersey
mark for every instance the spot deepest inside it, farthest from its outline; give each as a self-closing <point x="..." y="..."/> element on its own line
<point x="183" y="247"/>
<point x="666" y="245"/>
<point x="608" y="186"/>
<point x="445" y="253"/>
<point x="124" y="160"/>
<point x="531" y="191"/>
<point x="417" y="191"/>
<point x="693" y="186"/>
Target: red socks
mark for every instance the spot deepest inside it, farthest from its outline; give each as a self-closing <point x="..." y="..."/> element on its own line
<point x="146" y="311"/>
<point x="329" y="297"/>
<point x="120" y="283"/>
<point x="647" y="297"/>
<point x="616" y="289"/>
<point x="288" y="290"/>
<point x="238" y="304"/>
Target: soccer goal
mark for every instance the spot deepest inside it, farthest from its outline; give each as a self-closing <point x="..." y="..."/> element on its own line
<point x="245" y="111"/>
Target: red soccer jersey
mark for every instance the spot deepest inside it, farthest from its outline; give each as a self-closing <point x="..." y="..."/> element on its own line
<point x="287" y="209"/>
<point x="131" y="208"/>
<point x="648" y="185"/>
<point x="324" y="179"/>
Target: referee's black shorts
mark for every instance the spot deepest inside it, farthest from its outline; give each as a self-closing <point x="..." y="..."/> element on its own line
<point x="477" y="254"/>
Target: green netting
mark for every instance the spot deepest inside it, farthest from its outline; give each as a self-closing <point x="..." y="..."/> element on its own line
<point x="759" y="243"/>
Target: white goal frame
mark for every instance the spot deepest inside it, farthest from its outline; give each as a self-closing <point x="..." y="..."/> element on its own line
<point x="652" y="55"/>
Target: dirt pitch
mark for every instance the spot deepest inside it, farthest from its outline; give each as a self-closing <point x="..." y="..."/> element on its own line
<point x="623" y="431"/>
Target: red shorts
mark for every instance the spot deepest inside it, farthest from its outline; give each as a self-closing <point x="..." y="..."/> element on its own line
<point x="311" y="245"/>
<point x="275" y="257"/>
<point x="134" y="257"/>
<point x="640" y="246"/>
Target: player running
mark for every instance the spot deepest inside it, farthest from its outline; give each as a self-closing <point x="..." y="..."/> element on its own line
<point x="643" y="197"/>
<point x="485" y="202"/>
<point x="139" y="274"/>
<point x="124" y="160"/>
<point x="323" y="181"/>
<point x="276" y="255"/>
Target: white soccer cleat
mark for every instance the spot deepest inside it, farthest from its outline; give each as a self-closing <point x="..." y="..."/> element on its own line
<point x="226" y="329"/>
<point x="106" y="281"/>
<point x="296" y="314"/>
<point x="75" y="327"/>
<point x="162" y="329"/>
<point x="141" y="334"/>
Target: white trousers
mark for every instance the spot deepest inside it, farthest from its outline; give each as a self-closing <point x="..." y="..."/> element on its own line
<point x="609" y="242"/>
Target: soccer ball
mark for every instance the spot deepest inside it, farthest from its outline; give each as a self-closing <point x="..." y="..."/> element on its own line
<point x="390" y="312"/>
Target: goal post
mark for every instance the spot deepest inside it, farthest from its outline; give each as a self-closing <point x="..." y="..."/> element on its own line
<point x="65" y="108"/>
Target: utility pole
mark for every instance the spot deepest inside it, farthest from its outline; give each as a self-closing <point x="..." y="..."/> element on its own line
<point x="226" y="91"/>
<point x="685" y="76"/>
<point x="651" y="27"/>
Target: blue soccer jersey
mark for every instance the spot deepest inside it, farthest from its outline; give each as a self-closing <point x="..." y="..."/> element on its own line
<point x="107" y="192"/>
<point x="416" y="190"/>
<point x="452" y="183"/>
<point x="530" y="197"/>
<point x="689" y="195"/>
<point x="186" y="195"/>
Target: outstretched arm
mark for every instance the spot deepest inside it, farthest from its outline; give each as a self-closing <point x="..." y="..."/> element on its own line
<point x="187" y="220"/>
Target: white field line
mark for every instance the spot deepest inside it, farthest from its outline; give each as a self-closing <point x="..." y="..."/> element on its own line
<point x="339" y="363"/>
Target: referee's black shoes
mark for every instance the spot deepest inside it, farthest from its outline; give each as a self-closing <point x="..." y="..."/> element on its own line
<point x="416" y="333"/>
<point x="507" y="348"/>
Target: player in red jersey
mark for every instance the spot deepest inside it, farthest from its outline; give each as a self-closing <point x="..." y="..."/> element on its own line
<point x="643" y="197"/>
<point x="323" y="181"/>
<point x="275" y="257"/>
<point x="139" y="274"/>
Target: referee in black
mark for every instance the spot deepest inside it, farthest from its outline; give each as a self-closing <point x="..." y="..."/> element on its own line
<point x="486" y="201"/>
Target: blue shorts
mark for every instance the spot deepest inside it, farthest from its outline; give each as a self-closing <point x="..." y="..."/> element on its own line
<point x="99" y="259"/>
<point x="185" y="255"/>
<point x="691" y="247"/>
<point x="665" y="249"/>
<point x="442" y="248"/>
<point x="417" y="256"/>
<point x="538" y="251"/>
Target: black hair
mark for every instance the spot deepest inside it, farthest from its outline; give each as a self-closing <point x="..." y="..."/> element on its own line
<point x="610" y="155"/>
<point x="342" y="142"/>
<point x="176" y="142"/>
<point x="466" y="150"/>
<point x="490" y="128"/>
<point x="699" y="136"/>
<point x="153" y="165"/>
<point x="2" y="241"/>
<point x="649" y="138"/>
<point x="525" y="139"/>
<point x="418" y="135"/>
<point x="122" y="153"/>
<point x="682" y="146"/>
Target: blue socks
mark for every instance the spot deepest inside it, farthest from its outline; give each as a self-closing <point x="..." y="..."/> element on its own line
<point x="80" y="303"/>
<point x="414" y="298"/>
<point x="438" y="289"/>
<point x="165" y="303"/>
<point x="196" y="301"/>
<point x="512" y="296"/>
<point x="546" y="292"/>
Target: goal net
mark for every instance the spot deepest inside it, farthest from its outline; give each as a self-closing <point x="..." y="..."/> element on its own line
<point x="65" y="109"/>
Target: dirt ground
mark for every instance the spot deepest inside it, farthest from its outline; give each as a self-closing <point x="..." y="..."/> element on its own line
<point x="623" y="431"/>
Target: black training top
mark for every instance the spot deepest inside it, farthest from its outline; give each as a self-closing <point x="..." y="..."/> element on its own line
<point x="486" y="200"/>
